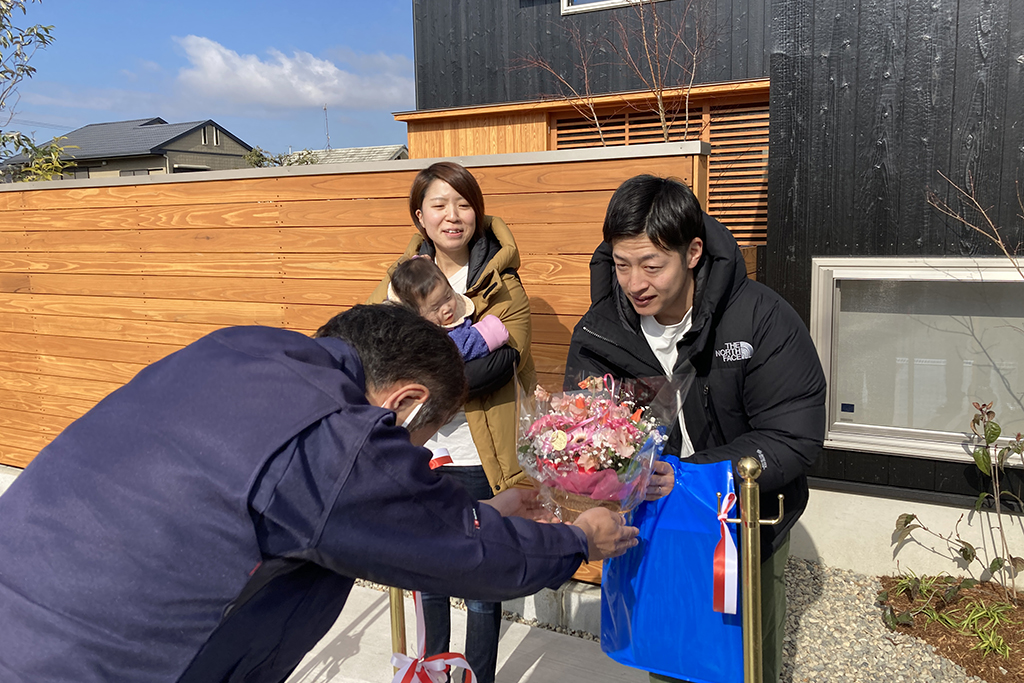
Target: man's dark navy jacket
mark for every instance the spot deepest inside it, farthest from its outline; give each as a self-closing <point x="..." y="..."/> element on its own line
<point x="154" y="522"/>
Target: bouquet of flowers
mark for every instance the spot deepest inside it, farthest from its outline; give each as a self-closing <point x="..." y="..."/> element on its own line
<point x="588" y="448"/>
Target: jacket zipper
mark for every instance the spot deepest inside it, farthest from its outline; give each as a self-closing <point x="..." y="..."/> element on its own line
<point x="604" y="339"/>
<point x="709" y="410"/>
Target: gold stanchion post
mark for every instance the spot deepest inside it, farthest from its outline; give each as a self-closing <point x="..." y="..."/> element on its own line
<point x="397" y="600"/>
<point x="750" y="523"/>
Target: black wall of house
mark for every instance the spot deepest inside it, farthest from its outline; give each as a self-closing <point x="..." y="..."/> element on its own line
<point x="467" y="51"/>
<point x="870" y="101"/>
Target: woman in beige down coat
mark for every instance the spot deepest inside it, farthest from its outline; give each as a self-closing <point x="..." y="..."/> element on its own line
<point x="478" y="255"/>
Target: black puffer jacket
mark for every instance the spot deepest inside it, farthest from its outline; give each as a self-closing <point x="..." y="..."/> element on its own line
<point x="759" y="389"/>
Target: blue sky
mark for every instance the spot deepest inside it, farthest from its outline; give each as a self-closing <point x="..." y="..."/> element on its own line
<point x="261" y="69"/>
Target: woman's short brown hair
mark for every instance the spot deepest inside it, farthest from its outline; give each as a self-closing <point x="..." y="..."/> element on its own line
<point x="456" y="175"/>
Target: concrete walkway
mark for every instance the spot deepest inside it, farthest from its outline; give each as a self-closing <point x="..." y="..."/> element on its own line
<point x="358" y="650"/>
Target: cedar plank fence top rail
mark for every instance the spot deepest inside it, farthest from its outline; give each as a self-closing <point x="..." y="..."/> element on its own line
<point x="100" y="277"/>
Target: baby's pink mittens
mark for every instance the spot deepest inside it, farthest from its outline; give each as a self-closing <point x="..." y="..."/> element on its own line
<point x="493" y="331"/>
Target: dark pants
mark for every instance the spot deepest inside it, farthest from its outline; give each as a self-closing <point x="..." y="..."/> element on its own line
<point x="483" y="619"/>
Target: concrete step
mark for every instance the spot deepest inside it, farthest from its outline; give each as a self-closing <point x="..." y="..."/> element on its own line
<point x="358" y="648"/>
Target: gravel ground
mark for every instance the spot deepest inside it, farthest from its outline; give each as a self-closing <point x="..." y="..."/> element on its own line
<point x="834" y="633"/>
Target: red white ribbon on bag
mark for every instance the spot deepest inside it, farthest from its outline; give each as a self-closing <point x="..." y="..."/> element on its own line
<point x="422" y="669"/>
<point x="726" y="563"/>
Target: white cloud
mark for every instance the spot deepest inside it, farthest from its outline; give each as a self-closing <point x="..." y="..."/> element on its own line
<point x="217" y="74"/>
<point x="124" y="102"/>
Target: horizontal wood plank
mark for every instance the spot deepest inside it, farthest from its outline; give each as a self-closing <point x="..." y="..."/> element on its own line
<point x="15" y="456"/>
<point x="199" y="289"/>
<point x="550" y="358"/>
<point x="282" y="240"/>
<point x="88" y="349"/>
<point x="65" y="387"/>
<point x="393" y="184"/>
<point x="553" y="327"/>
<point x="552" y="381"/>
<point x="46" y="426"/>
<point x="46" y="404"/>
<point x="106" y="328"/>
<point x="68" y="368"/>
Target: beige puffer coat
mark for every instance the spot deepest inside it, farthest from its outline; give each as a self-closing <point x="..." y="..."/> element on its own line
<point x="495" y="291"/>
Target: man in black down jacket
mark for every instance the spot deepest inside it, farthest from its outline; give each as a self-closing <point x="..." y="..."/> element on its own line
<point x="669" y="291"/>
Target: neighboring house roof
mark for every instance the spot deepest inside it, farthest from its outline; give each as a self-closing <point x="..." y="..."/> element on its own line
<point x="126" y="138"/>
<point x="355" y="154"/>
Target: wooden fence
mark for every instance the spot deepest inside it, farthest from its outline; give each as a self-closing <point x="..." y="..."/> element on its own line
<point x="100" y="278"/>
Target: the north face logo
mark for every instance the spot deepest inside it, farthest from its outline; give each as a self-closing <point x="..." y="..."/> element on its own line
<point x="740" y="350"/>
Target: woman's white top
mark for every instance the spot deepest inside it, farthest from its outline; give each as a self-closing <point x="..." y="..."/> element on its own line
<point x="455" y="436"/>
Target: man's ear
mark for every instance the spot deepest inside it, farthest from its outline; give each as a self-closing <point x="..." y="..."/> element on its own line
<point x="693" y="253"/>
<point x="400" y="397"/>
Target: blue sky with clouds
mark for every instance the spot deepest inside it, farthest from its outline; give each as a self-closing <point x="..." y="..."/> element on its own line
<point x="262" y="69"/>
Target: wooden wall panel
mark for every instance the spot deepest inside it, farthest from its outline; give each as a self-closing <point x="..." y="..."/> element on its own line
<point x="484" y="135"/>
<point x="97" y="282"/>
<point x="731" y="117"/>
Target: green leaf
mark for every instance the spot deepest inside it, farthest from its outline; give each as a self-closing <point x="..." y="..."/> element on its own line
<point x="904" y="520"/>
<point x="905" y="618"/>
<point x="888" y="618"/>
<point x="1004" y="455"/>
<point x="901" y="535"/>
<point x="950" y="595"/>
<point x="980" y="501"/>
<point x="967" y="584"/>
<point x="992" y="432"/>
<point x="996" y="565"/>
<point x="1018" y="564"/>
<point x="967" y="552"/>
<point x="882" y="597"/>
<point x="982" y="460"/>
<point x="1013" y="495"/>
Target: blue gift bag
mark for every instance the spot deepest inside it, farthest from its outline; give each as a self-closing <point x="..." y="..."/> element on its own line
<point x="656" y="600"/>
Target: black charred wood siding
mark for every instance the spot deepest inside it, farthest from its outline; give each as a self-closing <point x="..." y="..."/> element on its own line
<point x="467" y="50"/>
<point x="870" y="101"/>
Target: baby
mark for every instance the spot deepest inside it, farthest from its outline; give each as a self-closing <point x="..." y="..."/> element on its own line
<point x="420" y="285"/>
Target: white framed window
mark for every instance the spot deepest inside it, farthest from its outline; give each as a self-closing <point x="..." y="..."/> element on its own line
<point x="216" y="137"/>
<point x="908" y="344"/>
<point x="574" y="6"/>
<point x="205" y="136"/>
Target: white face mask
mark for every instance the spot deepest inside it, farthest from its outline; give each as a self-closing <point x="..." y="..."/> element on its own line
<point x="412" y="415"/>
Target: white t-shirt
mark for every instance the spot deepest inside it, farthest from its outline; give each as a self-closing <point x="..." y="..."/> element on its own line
<point x="663" y="340"/>
<point x="455" y="436"/>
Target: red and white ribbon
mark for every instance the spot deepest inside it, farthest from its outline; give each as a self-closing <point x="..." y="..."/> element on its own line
<point x="726" y="563"/>
<point x="422" y="669"/>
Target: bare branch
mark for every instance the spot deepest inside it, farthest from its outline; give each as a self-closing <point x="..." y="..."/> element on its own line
<point x="581" y="101"/>
<point x="651" y="50"/>
<point x="985" y="227"/>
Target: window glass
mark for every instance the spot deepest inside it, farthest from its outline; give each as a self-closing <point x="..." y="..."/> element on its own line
<point x="916" y="354"/>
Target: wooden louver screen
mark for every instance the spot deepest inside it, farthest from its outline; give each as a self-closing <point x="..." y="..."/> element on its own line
<point x="737" y="167"/>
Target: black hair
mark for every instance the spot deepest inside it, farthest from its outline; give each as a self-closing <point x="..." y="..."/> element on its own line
<point x="664" y="210"/>
<point x="457" y="177"/>
<point x="395" y="345"/>
<point x="414" y="280"/>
